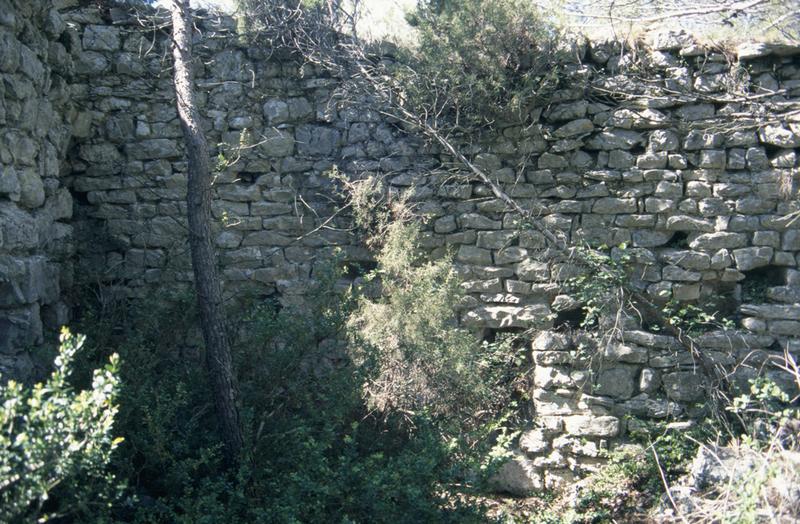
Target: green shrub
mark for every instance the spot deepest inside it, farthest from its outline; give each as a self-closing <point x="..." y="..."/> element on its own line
<point x="480" y="61"/>
<point x="315" y="451"/>
<point x="56" y="444"/>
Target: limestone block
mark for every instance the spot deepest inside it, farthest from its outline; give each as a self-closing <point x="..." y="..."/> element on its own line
<point x="684" y="386"/>
<point x="716" y="241"/>
<point x="611" y="205"/>
<point x="101" y="38"/>
<point x="153" y="148"/>
<point x="18" y="229"/>
<point x="684" y="292"/>
<point x="534" y="441"/>
<point x="238" y="192"/>
<point x="779" y="136"/>
<point x="688" y="223"/>
<point x="552" y="358"/>
<point x="476" y="221"/>
<point x="551" y="341"/>
<point x="486" y="286"/>
<point x="20" y="328"/>
<point x="551" y="161"/>
<point x="694" y="112"/>
<point x="736" y="159"/>
<point x="316" y="140"/>
<point x="643" y="406"/>
<point x="658" y="205"/>
<point x="611" y="139"/>
<point x="491" y="239"/>
<point x="652" y="160"/>
<point x="712" y="159"/>
<point x="474" y="255"/>
<point x="590" y="426"/>
<point x="790" y="240"/>
<point x="650" y="340"/>
<point x="686" y="259"/>
<point x="663" y="140"/>
<point x="495" y="317"/>
<point x="510" y="255"/>
<point x="575" y="127"/>
<point x="261" y="208"/>
<point x="698" y="139"/>
<point x="629" y="353"/>
<point x="550" y="403"/>
<point x="517" y="477"/>
<point x="551" y="377"/>
<point x="90" y="63"/>
<point x="276" y="142"/>
<point x="649" y="238"/>
<point x="567" y="111"/>
<point x="786" y="294"/>
<point x="754" y="205"/>
<point x="772" y="311"/>
<point x="752" y="257"/>
<point x="756" y="158"/>
<point x="616" y="382"/>
<point x="620" y="159"/>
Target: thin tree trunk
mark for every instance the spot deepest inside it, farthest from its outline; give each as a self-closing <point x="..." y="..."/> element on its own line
<point x="209" y="293"/>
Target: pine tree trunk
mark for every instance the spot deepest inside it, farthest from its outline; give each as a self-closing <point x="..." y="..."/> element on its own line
<point x="207" y="284"/>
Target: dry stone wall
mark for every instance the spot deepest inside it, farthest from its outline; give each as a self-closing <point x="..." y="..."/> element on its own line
<point x="686" y="155"/>
<point x="35" y="208"/>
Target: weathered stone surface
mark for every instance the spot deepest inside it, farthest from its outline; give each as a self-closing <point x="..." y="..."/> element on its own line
<point x="534" y="441"/>
<point x="316" y="140"/>
<point x="153" y="148"/>
<point x="531" y="316"/>
<point x="684" y="386"/>
<point x="101" y="38"/>
<point x="590" y="426"/>
<point x="752" y="257"/>
<point x="630" y="353"/>
<point x="617" y="382"/>
<point x="772" y="311"/>
<point x="576" y="127"/>
<point x="615" y="139"/>
<point x="779" y="136"/>
<point x="642" y="406"/>
<point x="517" y="477"/>
<point x="551" y="341"/>
<point x="716" y="241"/>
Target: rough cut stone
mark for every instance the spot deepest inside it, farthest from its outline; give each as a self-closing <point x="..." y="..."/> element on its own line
<point x="615" y="139"/>
<point x="517" y="476"/>
<point x="551" y="341"/>
<point x="590" y="426"/>
<point x="684" y="386"/>
<point x="752" y="257"/>
<point x="715" y="241"/>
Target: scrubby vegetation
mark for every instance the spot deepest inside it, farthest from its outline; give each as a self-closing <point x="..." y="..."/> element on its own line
<point x="367" y="401"/>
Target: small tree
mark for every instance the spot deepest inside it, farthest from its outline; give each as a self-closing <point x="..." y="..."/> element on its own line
<point x="56" y="443"/>
<point x="206" y="278"/>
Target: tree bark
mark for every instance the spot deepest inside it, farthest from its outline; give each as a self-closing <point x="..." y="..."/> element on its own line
<point x="207" y="284"/>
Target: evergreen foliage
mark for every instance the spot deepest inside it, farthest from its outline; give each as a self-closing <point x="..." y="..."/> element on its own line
<point x="480" y="63"/>
<point x="56" y="443"/>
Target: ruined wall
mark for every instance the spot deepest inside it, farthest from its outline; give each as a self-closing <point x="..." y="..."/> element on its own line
<point x="35" y="236"/>
<point x="686" y="155"/>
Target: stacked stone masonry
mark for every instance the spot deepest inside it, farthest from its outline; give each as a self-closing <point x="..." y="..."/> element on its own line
<point x="35" y="207"/>
<point x="686" y="155"/>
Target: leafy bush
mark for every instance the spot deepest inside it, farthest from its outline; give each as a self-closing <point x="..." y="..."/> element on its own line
<point x="314" y="451"/>
<point x="56" y="443"/>
<point x="479" y="61"/>
<point x="424" y="360"/>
